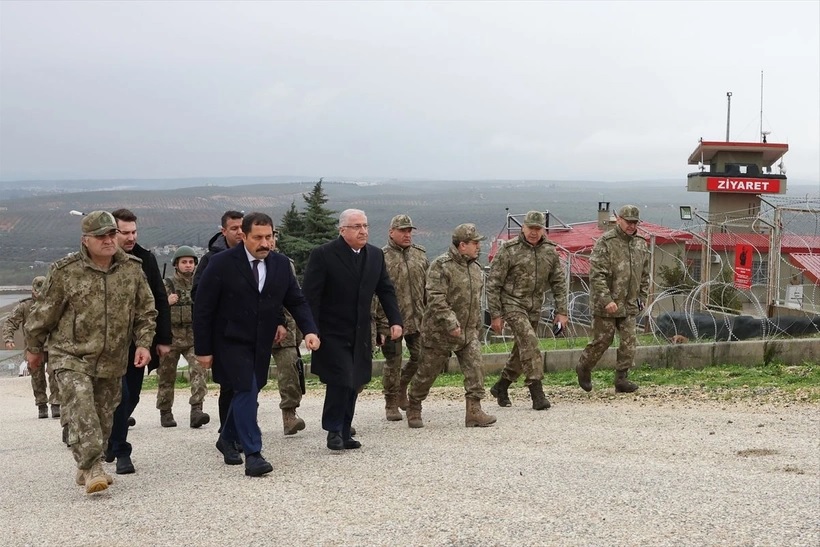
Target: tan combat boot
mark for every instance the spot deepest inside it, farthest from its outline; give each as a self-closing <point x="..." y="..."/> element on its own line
<point x="291" y="422"/>
<point x="198" y="418"/>
<point x="622" y="385"/>
<point x="95" y="479"/>
<point x="402" y="396"/>
<point x="391" y="408"/>
<point x="584" y="377"/>
<point x="414" y="414"/>
<point x="539" y="400"/>
<point x="476" y="417"/>
<point x="166" y="419"/>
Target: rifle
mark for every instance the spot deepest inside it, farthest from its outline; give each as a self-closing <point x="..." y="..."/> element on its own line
<point x="300" y="368"/>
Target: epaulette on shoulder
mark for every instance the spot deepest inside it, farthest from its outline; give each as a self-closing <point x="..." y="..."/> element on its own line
<point x="609" y="234"/>
<point x="419" y="247"/>
<point x="66" y="260"/>
<point x="446" y="257"/>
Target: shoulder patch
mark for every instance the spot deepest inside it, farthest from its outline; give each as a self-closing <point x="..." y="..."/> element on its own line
<point x="66" y="260"/>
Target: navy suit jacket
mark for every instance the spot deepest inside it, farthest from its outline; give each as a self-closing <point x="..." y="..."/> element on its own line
<point x="340" y="295"/>
<point x="236" y="324"/>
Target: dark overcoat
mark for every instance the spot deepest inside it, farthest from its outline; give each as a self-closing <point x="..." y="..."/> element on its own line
<point x="340" y="294"/>
<point x="236" y="324"/>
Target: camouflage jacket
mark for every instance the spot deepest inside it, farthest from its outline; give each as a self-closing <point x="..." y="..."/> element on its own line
<point x="519" y="276"/>
<point x="294" y="336"/>
<point x="407" y="269"/>
<point x="91" y="316"/>
<point x="454" y="286"/>
<point x="619" y="272"/>
<point x="17" y="319"/>
<point x="182" y="311"/>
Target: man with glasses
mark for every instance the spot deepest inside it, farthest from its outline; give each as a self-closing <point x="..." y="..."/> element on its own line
<point x="341" y="278"/>
<point x="619" y="287"/>
<point x="94" y="304"/>
<point x="118" y="445"/>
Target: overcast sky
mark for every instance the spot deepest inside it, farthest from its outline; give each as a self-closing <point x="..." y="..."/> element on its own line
<point x="461" y="90"/>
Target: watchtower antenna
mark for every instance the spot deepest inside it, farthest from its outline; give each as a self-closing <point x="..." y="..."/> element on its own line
<point x="728" y="112"/>
<point x="762" y="134"/>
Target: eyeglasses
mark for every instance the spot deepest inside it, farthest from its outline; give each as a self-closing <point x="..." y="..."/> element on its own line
<point x="358" y="227"/>
<point x="103" y="237"/>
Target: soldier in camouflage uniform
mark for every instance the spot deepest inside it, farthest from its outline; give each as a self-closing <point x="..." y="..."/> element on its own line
<point x="94" y="304"/>
<point x="178" y="289"/>
<point x="285" y="353"/>
<point x="407" y="266"/>
<point x="451" y="323"/>
<point x="17" y="320"/>
<point x="619" y="287"/>
<point x="521" y="272"/>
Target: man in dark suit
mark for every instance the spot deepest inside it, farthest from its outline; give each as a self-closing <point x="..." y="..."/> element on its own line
<point x="237" y="315"/>
<point x="341" y="278"/>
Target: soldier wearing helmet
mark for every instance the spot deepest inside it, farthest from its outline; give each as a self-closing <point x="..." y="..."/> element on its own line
<point x="17" y="320"/>
<point x="178" y="288"/>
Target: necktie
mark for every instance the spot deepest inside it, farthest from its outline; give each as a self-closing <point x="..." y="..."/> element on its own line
<point x="256" y="273"/>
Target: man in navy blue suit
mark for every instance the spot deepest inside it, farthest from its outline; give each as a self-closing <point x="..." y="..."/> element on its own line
<point x="237" y="315"/>
<point x="341" y="278"/>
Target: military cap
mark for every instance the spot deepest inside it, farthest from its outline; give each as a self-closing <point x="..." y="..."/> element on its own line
<point x="536" y="219"/>
<point x="98" y="223"/>
<point x="629" y="212"/>
<point x="37" y="283"/>
<point x="467" y="232"/>
<point x="401" y="222"/>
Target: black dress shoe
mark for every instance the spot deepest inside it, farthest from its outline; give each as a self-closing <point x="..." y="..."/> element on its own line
<point x="352" y="444"/>
<point x="256" y="465"/>
<point x="334" y="440"/>
<point x="109" y="455"/>
<point x="124" y="465"/>
<point x="229" y="452"/>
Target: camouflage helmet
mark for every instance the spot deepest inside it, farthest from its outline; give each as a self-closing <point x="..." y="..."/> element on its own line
<point x="37" y="284"/>
<point x="184" y="251"/>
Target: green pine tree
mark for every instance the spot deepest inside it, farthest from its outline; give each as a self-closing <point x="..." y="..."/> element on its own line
<point x="301" y="232"/>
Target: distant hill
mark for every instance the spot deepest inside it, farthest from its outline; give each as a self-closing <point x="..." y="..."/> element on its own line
<point x="37" y="229"/>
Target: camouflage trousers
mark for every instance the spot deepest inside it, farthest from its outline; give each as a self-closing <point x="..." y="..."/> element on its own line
<point x="167" y="374"/>
<point x="88" y="404"/>
<point x="525" y="355"/>
<point x="287" y="377"/>
<point x="433" y="363"/>
<point x="603" y="332"/>
<point x="38" y="384"/>
<point x="394" y="373"/>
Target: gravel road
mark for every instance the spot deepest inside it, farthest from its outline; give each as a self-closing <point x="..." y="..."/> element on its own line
<point x="663" y="468"/>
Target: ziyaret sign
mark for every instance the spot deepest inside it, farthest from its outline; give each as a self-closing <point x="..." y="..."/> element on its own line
<point x="739" y="185"/>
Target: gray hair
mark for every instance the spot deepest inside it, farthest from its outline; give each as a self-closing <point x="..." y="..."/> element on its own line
<point x="347" y="213"/>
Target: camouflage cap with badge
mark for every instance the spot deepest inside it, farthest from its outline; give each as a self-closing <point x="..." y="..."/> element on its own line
<point x="97" y="223"/>
<point x="37" y="283"/>
<point x="401" y="222"/>
<point x="536" y="219"/>
<point x="467" y="232"/>
<point x="630" y="213"/>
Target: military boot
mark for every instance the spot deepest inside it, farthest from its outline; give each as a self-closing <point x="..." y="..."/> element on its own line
<point x="539" y="400"/>
<point x="42" y="411"/>
<point x="414" y="414"/>
<point x="291" y="423"/>
<point x="476" y="417"/>
<point x="584" y="377"/>
<point x="391" y="408"/>
<point x="198" y="418"/>
<point x="65" y="434"/>
<point x="80" y="477"/>
<point x="95" y="479"/>
<point x="166" y="419"/>
<point x="499" y="391"/>
<point x="55" y="411"/>
<point x="402" y="395"/>
<point x="622" y="385"/>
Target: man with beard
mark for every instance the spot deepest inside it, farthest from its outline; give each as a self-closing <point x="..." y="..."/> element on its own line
<point x="178" y="288"/>
<point x="118" y="445"/>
